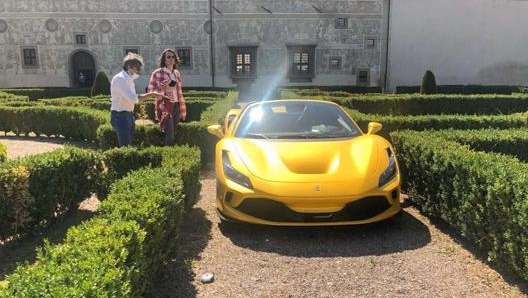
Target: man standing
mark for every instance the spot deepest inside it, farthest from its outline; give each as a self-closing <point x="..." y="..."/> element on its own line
<point x="124" y="98"/>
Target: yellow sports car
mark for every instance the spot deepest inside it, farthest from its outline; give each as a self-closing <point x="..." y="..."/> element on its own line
<point x="303" y="162"/>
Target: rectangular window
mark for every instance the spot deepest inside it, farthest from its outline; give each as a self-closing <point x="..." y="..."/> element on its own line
<point x="80" y="39"/>
<point x="362" y="77"/>
<point x="29" y="56"/>
<point x="335" y="62"/>
<point x="131" y="50"/>
<point x="243" y="62"/>
<point x="301" y="63"/>
<point x="370" y="43"/>
<point x="341" y="23"/>
<point x="185" y="56"/>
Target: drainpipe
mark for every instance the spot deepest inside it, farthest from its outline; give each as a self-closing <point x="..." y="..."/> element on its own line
<point x="211" y="43"/>
<point x="385" y="75"/>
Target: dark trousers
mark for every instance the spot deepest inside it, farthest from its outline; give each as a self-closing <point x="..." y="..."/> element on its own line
<point x="170" y="126"/>
<point x="123" y="123"/>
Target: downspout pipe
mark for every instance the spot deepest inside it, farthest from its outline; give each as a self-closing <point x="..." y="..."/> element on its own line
<point x="385" y="75"/>
<point x="211" y="43"/>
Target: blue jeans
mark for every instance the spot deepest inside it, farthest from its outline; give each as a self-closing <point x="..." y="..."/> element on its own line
<point x="123" y="123"/>
<point x="170" y="127"/>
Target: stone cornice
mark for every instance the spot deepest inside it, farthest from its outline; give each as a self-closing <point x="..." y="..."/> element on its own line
<point x="187" y="16"/>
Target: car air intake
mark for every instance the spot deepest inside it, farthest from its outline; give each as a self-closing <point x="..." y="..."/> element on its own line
<point x="271" y="210"/>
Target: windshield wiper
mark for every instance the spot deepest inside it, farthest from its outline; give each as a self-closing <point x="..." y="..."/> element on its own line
<point x="256" y="136"/>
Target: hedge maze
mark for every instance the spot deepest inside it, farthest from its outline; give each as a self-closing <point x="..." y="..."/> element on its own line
<point x="144" y="190"/>
<point x="463" y="159"/>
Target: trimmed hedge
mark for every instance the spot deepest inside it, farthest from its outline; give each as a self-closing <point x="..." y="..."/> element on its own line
<point x="101" y="103"/>
<point x="464" y="89"/>
<point x="194" y="108"/>
<point x="49" y="92"/>
<point x="3" y="153"/>
<point x="347" y="89"/>
<point x="99" y="258"/>
<point x="101" y="85"/>
<point x="35" y="190"/>
<point x="70" y="122"/>
<point x="6" y="97"/>
<point x="136" y="229"/>
<point x="481" y="193"/>
<point x="439" y="122"/>
<point x="193" y="133"/>
<point x="120" y="161"/>
<point x="419" y="104"/>
<point x="428" y="83"/>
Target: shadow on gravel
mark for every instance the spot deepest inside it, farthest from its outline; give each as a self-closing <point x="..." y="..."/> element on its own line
<point x="400" y="233"/>
<point x="175" y="279"/>
<point x="506" y="273"/>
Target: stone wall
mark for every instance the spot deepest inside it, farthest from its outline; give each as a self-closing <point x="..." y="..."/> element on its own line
<point x="111" y="26"/>
<point x="461" y="42"/>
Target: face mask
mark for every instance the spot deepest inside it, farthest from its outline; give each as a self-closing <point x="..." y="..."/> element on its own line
<point x="135" y="76"/>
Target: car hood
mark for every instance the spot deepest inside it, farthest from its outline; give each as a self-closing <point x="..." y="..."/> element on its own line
<point x="314" y="161"/>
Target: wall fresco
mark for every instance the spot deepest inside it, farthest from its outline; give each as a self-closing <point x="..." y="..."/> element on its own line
<point x="110" y="26"/>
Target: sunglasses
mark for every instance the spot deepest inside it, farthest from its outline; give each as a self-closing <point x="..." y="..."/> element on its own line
<point x="170" y="57"/>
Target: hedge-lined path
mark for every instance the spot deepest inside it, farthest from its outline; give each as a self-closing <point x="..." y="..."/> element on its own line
<point x="12" y="253"/>
<point x="24" y="250"/>
<point x="18" y="146"/>
<point x="409" y="256"/>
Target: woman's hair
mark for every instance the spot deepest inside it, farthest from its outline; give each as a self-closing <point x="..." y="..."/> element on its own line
<point x="132" y="60"/>
<point x="163" y="63"/>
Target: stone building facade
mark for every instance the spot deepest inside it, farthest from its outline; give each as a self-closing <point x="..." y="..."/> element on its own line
<point x="222" y="43"/>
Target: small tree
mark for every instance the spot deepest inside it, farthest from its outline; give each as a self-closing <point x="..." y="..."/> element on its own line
<point x="428" y="83"/>
<point x="101" y="84"/>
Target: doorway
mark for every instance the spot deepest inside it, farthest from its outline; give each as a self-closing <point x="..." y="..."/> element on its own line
<point x="82" y="69"/>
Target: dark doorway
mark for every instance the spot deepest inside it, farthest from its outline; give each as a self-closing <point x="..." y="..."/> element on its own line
<point x="82" y="69"/>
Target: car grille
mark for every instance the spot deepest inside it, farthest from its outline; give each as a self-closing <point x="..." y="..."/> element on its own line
<point x="271" y="210"/>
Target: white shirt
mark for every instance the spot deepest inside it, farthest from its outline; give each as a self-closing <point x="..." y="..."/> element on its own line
<point x="123" y="93"/>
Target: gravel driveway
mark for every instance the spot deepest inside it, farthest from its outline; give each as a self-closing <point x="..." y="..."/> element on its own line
<point x="407" y="256"/>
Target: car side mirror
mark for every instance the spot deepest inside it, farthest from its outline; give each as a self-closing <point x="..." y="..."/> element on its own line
<point x="373" y="127"/>
<point x="216" y="130"/>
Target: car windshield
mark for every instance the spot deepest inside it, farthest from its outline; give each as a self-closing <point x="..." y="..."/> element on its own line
<point x="295" y="120"/>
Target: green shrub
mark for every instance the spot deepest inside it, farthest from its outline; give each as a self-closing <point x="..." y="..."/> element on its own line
<point x="101" y="84"/>
<point x="216" y="112"/>
<point x="119" y="161"/>
<point x="70" y="122"/>
<point x="135" y="231"/>
<point x="428" y="83"/>
<point x="3" y="153"/>
<point x="37" y="189"/>
<point x="465" y="178"/>
<point x="154" y="198"/>
<point x="467" y="89"/>
<point x="100" y="258"/>
<point x="48" y="92"/>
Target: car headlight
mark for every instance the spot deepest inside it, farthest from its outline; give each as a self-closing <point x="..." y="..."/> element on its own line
<point x="232" y="173"/>
<point x="390" y="172"/>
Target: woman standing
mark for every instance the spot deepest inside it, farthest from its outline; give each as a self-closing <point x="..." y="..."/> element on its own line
<point x="170" y="107"/>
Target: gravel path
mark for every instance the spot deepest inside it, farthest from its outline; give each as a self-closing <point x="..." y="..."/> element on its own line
<point x="22" y="146"/>
<point x="407" y="256"/>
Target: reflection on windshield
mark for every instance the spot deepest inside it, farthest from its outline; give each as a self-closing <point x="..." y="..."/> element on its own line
<point x="295" y="120"/>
